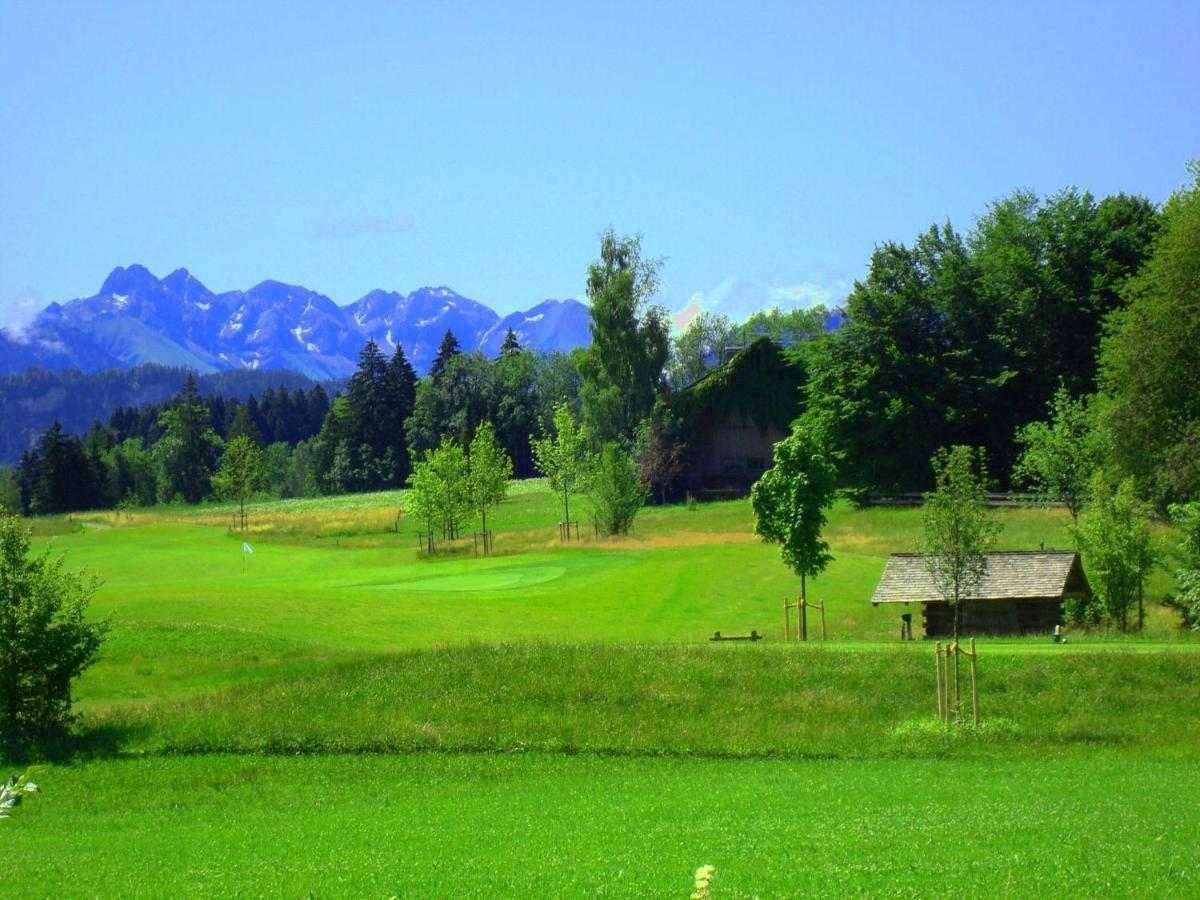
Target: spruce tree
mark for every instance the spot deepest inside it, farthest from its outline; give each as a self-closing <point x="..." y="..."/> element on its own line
<point x="511" y="344"/>
<point x="448" y="348"/>
<point x="367" y="396"/>
<point x="188" y="448"/>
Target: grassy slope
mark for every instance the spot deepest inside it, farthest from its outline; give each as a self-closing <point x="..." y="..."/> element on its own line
<point x="330" y="580"/>
<point x="717" y="700"/>
<point x="557" y="826"/>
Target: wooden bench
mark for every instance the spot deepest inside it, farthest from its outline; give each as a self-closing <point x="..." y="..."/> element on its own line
<point x="752" y="636"/>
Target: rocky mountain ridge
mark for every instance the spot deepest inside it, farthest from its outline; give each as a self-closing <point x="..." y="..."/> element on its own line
<point x="137" y="318"/>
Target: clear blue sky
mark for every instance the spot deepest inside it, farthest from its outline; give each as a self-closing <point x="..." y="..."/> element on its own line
<point x="762" y="148"/>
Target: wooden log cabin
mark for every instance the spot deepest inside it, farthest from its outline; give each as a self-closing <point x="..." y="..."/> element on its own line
<point x="732" y="418"/>
<point x="1021" y="592"/>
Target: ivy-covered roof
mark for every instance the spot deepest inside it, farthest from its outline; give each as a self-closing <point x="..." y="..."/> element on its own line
<point x="761" y="382"/>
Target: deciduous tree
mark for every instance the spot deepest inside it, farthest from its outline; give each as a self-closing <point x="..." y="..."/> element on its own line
<point x="1150" y="361"/>
<point x="1187" y="518"/>
<point x="957" y="529"/>
<point x="1059" y="456"/>
<point x="489" y="471"/>
<point x="1118" y="548"/>
<point x="562" y="456"/>
<point x="790" y="500"/>
<point x="615" y="490"/>
<point x="630" y="339"/>
<point x="242" y="473"/>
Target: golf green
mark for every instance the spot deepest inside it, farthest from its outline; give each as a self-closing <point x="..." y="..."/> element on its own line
<point x="495" y="580"/>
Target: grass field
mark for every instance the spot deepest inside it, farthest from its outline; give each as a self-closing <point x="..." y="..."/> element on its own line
<point x="270" y="730"/>
<point x="536" y="825"/>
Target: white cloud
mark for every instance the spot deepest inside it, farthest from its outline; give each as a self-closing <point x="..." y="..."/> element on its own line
<point x="364" y="222"/>
<point x="18" y="314"/>
<point x="739" y="299"/>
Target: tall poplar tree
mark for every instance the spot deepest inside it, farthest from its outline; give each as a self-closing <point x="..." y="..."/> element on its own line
<point x="630" y="339"/>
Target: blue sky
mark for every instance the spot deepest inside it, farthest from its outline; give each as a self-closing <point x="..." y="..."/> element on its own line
<point x="762" y="148"/>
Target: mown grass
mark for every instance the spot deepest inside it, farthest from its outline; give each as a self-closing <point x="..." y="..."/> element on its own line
<point x="590" y="740"/>
<point x="529" y="825"/>
<point x="720" y="700"/>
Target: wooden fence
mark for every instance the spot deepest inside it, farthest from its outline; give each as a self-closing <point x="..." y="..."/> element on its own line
<point x="915" y="498"/>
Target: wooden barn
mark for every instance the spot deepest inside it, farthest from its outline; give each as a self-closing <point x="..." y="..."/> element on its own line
<point x="733" y="417"/>
<point x="1021" y="592"/>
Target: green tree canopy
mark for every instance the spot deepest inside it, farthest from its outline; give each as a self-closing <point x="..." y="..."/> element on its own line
<point x="489" y="471"/>
<point x="615" y="490"/>
<point x="957" y="529"/>
<point x="563" y="457"/>
<point x="441" y="489"/>
<point x="630" y="339"/>
<point x="1150" y="361"/>
<point x="46" y="639"/>
<point x="790" y="500"/>
<point x="241" y="474"/>
<point x="1187" y="518"/>
<point x="1059" y="456"/>
<point x="188" y="449"/>
<point x="447" y="349"/>
<point x="1118" y="548"/>
<point x="697" y="349"/>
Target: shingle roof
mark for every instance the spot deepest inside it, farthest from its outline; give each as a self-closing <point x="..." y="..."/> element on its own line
<point x="1010" y="575"/>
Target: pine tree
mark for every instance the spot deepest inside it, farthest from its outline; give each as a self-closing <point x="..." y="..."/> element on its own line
<point x="448" y="348"/>
<point x="243" y="425"/>
<point x="62" y="479"/>
<point x="511" y="344"/>
<point x="401" y="397"/>
<point x="188" y="448"/>
<point x="367" y="396"/>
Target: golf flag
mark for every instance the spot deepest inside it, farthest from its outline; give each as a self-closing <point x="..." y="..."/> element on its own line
<point x="246" y="548"/>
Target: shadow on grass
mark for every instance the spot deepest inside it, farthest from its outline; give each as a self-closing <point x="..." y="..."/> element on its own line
<point x="106" y="741"/>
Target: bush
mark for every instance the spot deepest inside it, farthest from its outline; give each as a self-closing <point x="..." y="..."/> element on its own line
<point x="1084" y="610"/>
<point x="45" y="642"/>
<point x="615" y="490"/>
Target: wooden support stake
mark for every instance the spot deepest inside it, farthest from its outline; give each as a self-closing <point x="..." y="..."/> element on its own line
<point x="787" y="620"/>
<point x="974" y="686"/>
<point x="822" y="608"/>
<point x="937" y="661"/>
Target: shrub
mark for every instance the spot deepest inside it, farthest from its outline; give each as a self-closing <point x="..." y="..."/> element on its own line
<point x="615" y="490"/>
<point x="45" y="642"/>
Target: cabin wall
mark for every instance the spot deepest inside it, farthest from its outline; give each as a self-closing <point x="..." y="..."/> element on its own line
<point x="731" y="454"/>
<point x="994" y="617"/>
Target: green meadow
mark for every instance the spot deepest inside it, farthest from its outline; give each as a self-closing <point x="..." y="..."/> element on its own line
<point x="337" y="713"/>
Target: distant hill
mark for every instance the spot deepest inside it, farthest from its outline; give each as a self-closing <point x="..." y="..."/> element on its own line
<point x="32" y="400"/>
<point x="137" y="318"/>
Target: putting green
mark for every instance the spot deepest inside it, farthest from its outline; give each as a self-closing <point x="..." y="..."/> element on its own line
<point x="503" y="579"/>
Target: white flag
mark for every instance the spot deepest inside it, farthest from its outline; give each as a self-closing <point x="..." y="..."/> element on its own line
<point x="246" y="548"/>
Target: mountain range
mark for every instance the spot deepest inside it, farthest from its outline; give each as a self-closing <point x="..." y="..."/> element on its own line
<point x="137" y="318"/>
